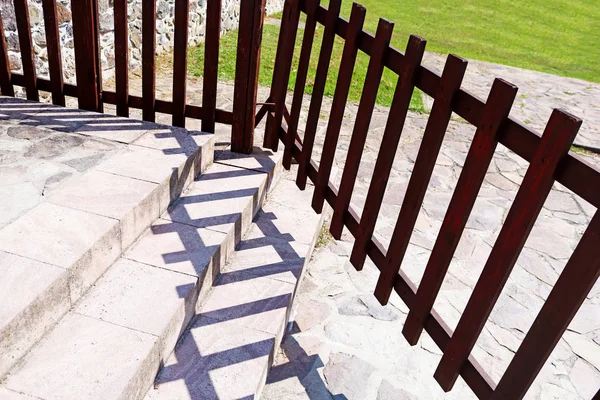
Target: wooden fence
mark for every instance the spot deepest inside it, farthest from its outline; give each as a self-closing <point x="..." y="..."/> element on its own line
<point x="88" y="90"/>
<point x="547" y="154"/>
<point x="548" y="158"/>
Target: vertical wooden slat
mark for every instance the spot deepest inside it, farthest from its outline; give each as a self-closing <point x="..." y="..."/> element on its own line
<point x="211" y="64"/>
<point x="361" y="125"/>
<point x="53" y="48"/>
<point x="96" y="50"/>
<point x="25" y="44"/>
<point x="281" y="73"/>
<point x="316" y="99"/>
<point x="577" y="279"/>
<point x="476" y="164"/>
<point x="86" y="65"/>
<point x="122" y="57"/>
<point x="182" y="11"/>
<point x="437" y="124"/>
<point x="357" y="19"/>
<point x="149" y="60"/>
<point x="537" y="183"/>
<point x="5" y="86"/>
<point x="246" y="75"/>
<point x="303" y="65"/>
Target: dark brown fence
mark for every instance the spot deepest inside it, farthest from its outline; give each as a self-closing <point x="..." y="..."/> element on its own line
<point x="88" y="90"/>
<point x="547" y="154"/>
<point x="548" y="158"/>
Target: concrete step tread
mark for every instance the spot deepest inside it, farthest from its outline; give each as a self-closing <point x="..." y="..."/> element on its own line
<point x="151" y="290"/>
<point x="53" y="252"/>
<point x="230" y="343"/>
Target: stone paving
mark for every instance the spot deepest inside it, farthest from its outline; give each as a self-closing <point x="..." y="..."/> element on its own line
<point x="344" y="344"/>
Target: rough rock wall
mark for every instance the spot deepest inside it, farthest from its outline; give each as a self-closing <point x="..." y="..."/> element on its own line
<point x="164" y="31"/>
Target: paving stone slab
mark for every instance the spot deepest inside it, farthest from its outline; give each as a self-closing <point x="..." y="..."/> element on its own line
<point x="209" y="364"/>
<point x="135" y="203"/>
<point x="152" y="290"/>
<point x="84" y="358"/>
<point x="34" y="296"/>
<point x="84" y="243"/>
<point x="254" y="293"/>
<point x="75" y="197"/>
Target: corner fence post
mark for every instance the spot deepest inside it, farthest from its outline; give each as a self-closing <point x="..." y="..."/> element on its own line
<point x="86" y="54"/>
<point x="252" y="14"/>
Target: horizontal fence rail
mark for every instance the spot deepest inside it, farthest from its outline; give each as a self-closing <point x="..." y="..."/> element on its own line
<point x="549" y="162"/>
<point x="547" y="154"/>
<point x="88" y="89"/>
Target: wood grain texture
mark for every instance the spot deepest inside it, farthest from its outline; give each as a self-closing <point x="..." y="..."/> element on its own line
<point x="281" y="73"/>
<point x="149" y="60"/>
<point x="476" y="164"/>
<point x="537" y="183"/>
<point x="180" y="51"/>
<point x="435" y="130"/>
<point x="316" y="100"/>
<point x="568" y="294"/>
<point x="246" y="75"/>
<point x="211" y="67"/>
<point x="301" y="74"/>
<point x="361" y="125"/>
<point x="86" y="65"/>
<point x="574" y="172"/>
<point x="53" y="49"/>
<point x="121" y="57"/>
<point x="336" y="116"/>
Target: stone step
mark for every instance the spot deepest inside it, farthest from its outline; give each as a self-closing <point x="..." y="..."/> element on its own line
<point x="115" y="177"/>
<point x="229" y="346"/>
<point x="111" y="344"/>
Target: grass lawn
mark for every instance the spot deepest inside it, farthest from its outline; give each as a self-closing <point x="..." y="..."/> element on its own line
<point x="227" y="59"/>
<point x="555" y="36"/>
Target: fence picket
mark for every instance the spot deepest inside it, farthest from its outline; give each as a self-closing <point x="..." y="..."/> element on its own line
<point x="211" y="68"/>
<point x="303" y="65"/>
<point x="342" y="88"/>
<point x="437" y="124"/>
<point x="316" y="100"/>
<point x="361" y="125"/>
<point x="246" y="75"/>
<point x="476" y="164"/>
<point x="537" y="183"/>
<point x="53" y="49"/>
<point x="281" y="73"/>
<point x="149" y="60"/>
<point x="5" y="74"/>
<point x="26" y="46"/>
<point x="182" y="11"/>
<point x="577" y="279"/>
<point x="86" y="65"/>
<point x="122" y="57"/>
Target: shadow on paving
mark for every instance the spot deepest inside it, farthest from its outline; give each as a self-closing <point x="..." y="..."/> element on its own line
<point x="218" y="351"/>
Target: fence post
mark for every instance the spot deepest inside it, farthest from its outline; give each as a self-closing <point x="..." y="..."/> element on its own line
<point x="252" y="13"/>
<point x="86" y="54"/>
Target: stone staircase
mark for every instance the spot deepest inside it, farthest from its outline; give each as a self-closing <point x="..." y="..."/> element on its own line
<point x="163" y="256"/>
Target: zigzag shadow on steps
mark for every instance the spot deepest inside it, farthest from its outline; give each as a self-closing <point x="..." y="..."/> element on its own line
<point x="218" y="339"/>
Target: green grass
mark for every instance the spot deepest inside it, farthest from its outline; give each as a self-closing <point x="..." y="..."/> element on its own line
<point x="227" y="59"/>
<point x="556" y="36"/>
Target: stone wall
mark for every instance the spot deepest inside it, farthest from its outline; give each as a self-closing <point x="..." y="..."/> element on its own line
<point x="164" y="30"/>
